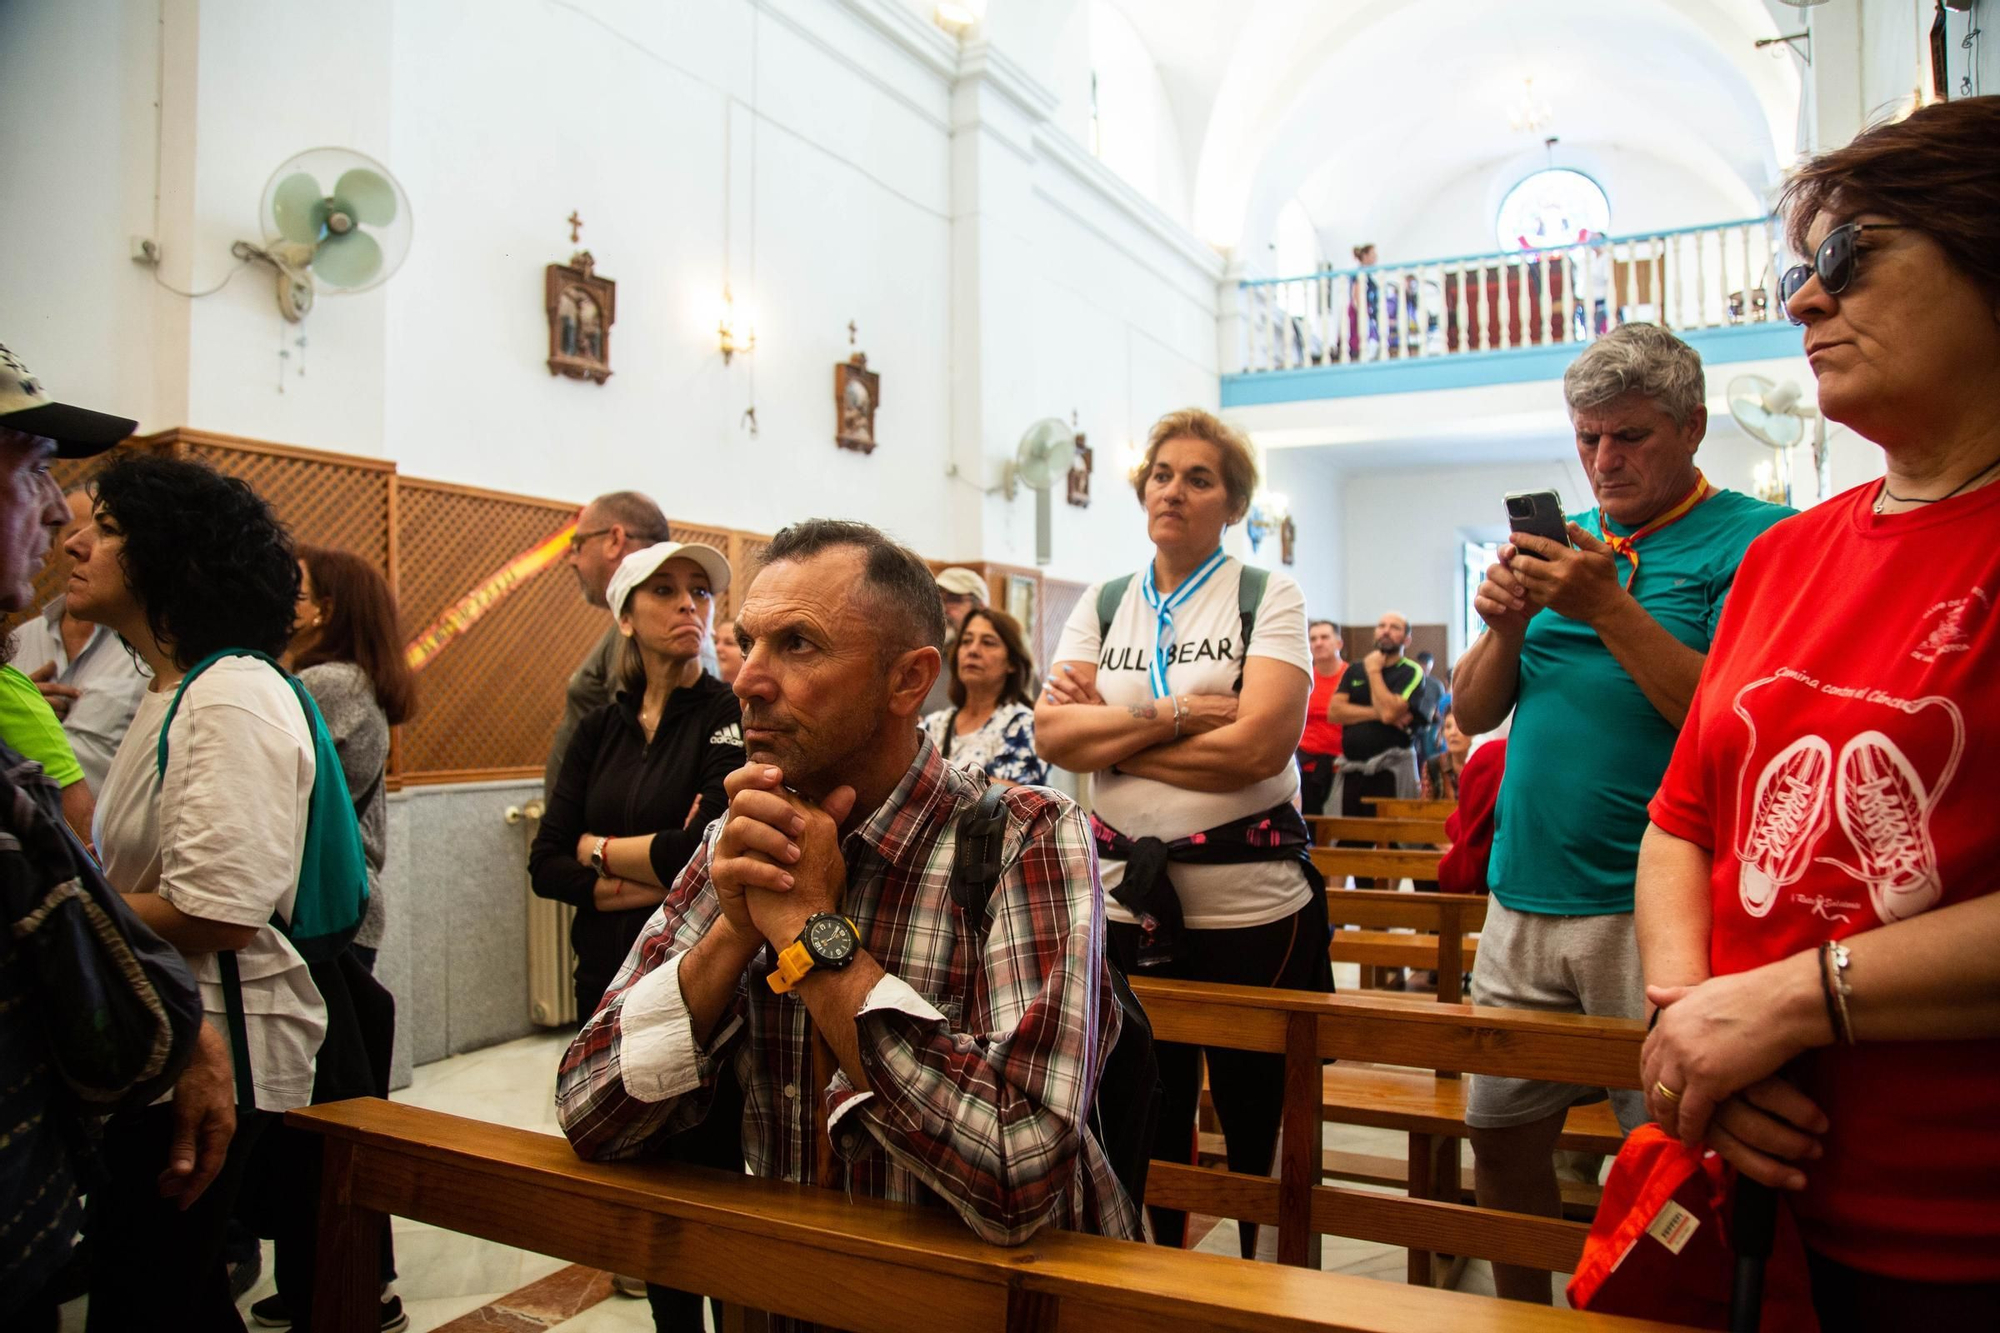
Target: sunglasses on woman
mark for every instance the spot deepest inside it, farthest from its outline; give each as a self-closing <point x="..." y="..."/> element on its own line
<point x="1834" y="262"/>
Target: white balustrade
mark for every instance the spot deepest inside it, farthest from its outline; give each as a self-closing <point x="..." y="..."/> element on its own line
<point x="1691" y="278"/>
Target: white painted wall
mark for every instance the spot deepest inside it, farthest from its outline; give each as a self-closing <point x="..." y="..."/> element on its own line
<point x="1311" y="479"/>
<point x="865" y="181"/>
<point x="76" y="87"/>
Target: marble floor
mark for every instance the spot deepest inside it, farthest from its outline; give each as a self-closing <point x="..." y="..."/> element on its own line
<point x="458" y="1284"/>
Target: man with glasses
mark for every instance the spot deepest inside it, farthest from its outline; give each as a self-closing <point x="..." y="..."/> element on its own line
<point x="608" y="529"/>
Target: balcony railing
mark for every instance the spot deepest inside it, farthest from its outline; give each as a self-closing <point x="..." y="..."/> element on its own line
<point x="1690" y="278"/>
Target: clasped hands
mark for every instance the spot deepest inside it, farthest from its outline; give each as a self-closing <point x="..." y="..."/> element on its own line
<point x="1711" y="1075"/>
<point x="777" y="861"/>
<point x="1579" y="581"/>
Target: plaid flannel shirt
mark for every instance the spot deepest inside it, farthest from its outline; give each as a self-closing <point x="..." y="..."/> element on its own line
<point x="982" y="1058"/>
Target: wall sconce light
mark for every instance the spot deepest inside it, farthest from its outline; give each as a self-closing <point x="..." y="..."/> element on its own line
<point x="1268" y="512"/>
<point x="958" y="16"/>
<point x="738" y="334"/>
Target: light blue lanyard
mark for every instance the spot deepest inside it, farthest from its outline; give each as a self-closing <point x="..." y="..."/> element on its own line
<point x="1163" y="614"/>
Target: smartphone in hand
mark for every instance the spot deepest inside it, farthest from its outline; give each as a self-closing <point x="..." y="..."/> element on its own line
<point x="1539" y="513"/>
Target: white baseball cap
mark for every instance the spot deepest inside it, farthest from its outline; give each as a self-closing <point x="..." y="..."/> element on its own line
<point x="639" y="566"/>
<point x="26" y="406"/>
<point x="963" y="582"/>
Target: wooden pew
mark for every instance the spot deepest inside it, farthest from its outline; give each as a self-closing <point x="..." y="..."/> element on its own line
<point x="861" y="1264"/>
<point x="1443" y="920"/>
<point x="1308" y="1028"/>
<point x="1392" y="807"/>
<point x="1384" y="833"/>
<point x="1337" y="863"/>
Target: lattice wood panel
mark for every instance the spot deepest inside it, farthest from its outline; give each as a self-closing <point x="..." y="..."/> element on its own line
<point x="746" y="557"/>
<point x="490" y="701"/>
<point x="334" y="500"/>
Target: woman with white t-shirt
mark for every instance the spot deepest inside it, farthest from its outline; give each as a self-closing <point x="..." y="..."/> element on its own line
<point x="181" y="562"/>
<point x="1188" y="733"/>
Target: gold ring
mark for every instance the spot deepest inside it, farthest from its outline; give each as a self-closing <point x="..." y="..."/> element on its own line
<point x="1666" y="1092"/>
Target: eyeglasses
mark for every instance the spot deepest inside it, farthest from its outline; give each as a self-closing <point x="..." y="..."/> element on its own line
<point x="577" y="539"/>
<point x="1834" y="262"/>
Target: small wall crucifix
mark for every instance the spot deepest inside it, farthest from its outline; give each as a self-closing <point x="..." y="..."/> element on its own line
<point x="575" y="227"/>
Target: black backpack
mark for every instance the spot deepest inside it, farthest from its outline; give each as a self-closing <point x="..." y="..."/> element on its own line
<point x="1127" y="1106"/>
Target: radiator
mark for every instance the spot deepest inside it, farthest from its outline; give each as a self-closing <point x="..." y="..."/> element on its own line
<point x="551" y="962"/>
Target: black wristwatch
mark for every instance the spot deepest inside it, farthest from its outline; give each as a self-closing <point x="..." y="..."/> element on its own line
<point x="828" y="940"/>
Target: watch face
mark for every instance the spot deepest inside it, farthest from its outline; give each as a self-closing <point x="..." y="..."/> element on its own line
<point x="830" y="940"/>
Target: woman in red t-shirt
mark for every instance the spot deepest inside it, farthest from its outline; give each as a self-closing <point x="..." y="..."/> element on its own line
<point x="1816" y="905"/>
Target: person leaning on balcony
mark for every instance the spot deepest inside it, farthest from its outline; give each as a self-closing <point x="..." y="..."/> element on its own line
<point x="1188" y="733"/>
<point x="1596" y="648"/>
<point x="1816" y="901"/>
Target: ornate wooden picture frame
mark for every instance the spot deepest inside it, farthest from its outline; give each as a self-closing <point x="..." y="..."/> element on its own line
<point x="1079" y="475"/>
<point x="857" y="392"/>
<point x="581" y="306"/>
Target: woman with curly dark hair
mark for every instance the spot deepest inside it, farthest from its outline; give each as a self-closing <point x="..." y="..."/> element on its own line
<point x="182" y="562"/>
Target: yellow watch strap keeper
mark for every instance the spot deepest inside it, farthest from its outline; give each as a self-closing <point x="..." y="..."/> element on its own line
<point x="793" y="964"/>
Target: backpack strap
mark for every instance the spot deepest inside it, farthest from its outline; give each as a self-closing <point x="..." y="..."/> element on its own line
<point x="1249" y="596"/>
<point x="239" y="1029"/>
<point x="1108" y="598"/>
<point x="975" y="866"/>
<point x="195" y="670"/>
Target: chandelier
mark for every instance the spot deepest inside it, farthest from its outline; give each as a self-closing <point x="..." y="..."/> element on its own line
<point x="1530" y="115"/>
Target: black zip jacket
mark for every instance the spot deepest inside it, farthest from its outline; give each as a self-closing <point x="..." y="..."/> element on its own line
<point x="614" y="784"/>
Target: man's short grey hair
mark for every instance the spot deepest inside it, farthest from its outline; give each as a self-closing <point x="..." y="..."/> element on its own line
<point x="636" y="513"/>
<point x="1638" y="358"/>
<point x="913" y="614"/>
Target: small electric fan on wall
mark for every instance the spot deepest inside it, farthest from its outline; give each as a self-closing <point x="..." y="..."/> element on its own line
<point x="1775" y="415"/>
<point x="331" y="217"/>
<point x="1045" y="454"/>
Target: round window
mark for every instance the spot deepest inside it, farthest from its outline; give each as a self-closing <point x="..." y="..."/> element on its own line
<point x="1552" y="208"/>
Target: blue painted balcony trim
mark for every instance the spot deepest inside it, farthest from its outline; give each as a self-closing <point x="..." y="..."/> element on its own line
<point x="1472" y="370"/>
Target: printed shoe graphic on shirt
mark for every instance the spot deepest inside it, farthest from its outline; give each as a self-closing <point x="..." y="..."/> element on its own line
<point x="1787" y="815"/>
<point x="1885" y="812"/>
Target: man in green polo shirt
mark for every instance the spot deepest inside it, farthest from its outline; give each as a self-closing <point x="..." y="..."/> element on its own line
<point x="1596" y="648"/>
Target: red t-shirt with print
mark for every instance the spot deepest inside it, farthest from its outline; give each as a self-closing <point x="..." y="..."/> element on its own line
<point x="1832" y="764"/>
<point x="1322" y="736"/>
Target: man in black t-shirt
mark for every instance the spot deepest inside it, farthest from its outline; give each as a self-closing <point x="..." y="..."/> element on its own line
<point x="1379" y="715"/>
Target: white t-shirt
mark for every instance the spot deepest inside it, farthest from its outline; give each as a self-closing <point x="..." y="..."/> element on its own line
<point x="222" y="838"/>
<point x="1205" y="659"/>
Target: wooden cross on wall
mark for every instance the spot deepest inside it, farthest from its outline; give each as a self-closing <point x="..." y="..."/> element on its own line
<point x="575" y="227"/>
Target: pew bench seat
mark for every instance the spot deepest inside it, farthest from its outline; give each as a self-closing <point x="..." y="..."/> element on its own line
<point x="1382" y="948"/>
<point x="1418" y="1102"/>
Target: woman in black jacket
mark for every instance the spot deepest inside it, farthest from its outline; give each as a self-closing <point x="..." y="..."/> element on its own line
<point x="642" y="777"/>
<point x="639" y="784"/>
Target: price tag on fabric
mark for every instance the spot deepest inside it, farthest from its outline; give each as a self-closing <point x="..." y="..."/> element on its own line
<point x="1674" y="1227"/>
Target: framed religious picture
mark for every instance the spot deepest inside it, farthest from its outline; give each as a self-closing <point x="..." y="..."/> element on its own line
<point x="1079" y="475"/>
<point x="1288" y="539"/>
<point x="581" y="306"/>
<point x="857" y="392"/>
<point x="1021" y="596"/>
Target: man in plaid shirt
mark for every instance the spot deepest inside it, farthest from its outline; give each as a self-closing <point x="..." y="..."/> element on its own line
<point x="959" y="1058"/>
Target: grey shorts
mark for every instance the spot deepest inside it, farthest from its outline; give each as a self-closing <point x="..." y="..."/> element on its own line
<point x="1566" y="965"/>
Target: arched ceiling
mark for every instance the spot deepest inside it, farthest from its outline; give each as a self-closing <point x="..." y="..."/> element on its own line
<point x="1276" y="97"/>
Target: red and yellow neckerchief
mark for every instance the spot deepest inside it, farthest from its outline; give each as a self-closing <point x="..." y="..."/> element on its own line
<point x="1629" y="546"/>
